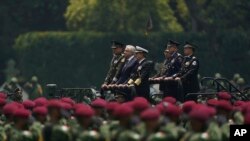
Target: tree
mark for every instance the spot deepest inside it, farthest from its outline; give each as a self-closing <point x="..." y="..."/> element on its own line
<point x="120" y="15"/>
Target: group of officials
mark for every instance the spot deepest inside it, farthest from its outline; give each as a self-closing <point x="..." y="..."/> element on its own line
<point x="129" y="68"/>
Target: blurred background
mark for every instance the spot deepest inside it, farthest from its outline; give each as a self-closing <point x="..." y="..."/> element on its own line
<point x="67" y="42"/>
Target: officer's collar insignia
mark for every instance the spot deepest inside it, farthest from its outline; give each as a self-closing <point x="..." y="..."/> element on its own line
<point x="139" y="68"/>
<point x="194" y="63"/>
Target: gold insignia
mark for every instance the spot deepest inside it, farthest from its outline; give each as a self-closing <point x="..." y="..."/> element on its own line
<point x="131" y="81"/>
<point x="138" y="81"/>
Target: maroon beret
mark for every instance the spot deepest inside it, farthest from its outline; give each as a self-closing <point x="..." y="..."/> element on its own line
<point x="2" y="102"/>
<point x="54" y="103"/>
<point x="66" y="106"/>
<point x="224" y="95"/>
<point x="150" y="114"/>
<point x="139" y="104"/>
<point x="169" y="99"/>
<point x="212" y="102"/>
<point x="111" y="106"/>
<point x="68" y="100"/>
<point x="9" y="109"/>
<point x="123" y="111"/>
<point x="41" y="110"/>
<point x="140" y="99"/>
<point x="246" y="108"/>
<point x="247" y="118"/>
<point x="239" y="103"/>
<point x="200" y="115"/>
<point x="99" y="103"/>
<point x="84" y="111"/>
<point x="187" y="106"/>
<point x="3" y="95"/>
<point x="21" y="113"/>
<point x="28" y="104"/>
<point x="41" y="101"/>
<point x="19" y="105"/>
<point x="171" y="110"/>
<point x="225" y="105"/>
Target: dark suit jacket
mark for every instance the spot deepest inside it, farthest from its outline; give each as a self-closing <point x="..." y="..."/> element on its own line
<point x="126" y="71"/>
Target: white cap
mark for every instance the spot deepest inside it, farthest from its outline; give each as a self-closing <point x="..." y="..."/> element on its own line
<point x="140" y="49"/>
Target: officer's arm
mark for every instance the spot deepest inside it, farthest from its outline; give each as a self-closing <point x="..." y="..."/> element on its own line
<point x="108" y="77"/>
<point x="179" y="62"/>
<point x="118" y="72"/>
<point x="146" y="70"/>
<point x="144" y="73"/>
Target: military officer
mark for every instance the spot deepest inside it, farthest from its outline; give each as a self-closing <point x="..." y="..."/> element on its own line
<point x="164" y="66"/>
<point x="20" y="130"/>
<point x="115" y="64"/>
<point x="140" y="76"/>
<point x="174" y="65"/>
<point x="189" y="70"/>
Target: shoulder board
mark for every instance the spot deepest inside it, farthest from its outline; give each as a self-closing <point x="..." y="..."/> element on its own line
<point x="123" y="60"/>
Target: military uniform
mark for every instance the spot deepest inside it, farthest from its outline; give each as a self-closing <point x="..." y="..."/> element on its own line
<point x="189" y="73"/>
<point x="115" y="65"/>
<point x="174" y="65"/>
<point x="141" y="74"/>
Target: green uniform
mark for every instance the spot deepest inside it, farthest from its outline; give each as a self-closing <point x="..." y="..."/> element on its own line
<point x="61" y="133"/>
<point x="36" y="130"/>
<point x="35" y="91"/>
<point x="3" y="136"/>
<point x="128" y="135"/>
<point x="107" y="128"/>
<point x="89" y="136"/>
<point x="115" y="66"/>
<point x="213" y="133"/>
<point x="19" y="135"/>
<point x="238" y="118"/>
<point x="172" y="131"/>
<point x="225" y="132"/>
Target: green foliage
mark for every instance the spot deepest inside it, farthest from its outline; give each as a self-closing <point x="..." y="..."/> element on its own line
<point x="20" y="16"/>
<point x="120" y="15"/>
<point x="81" y="59"/>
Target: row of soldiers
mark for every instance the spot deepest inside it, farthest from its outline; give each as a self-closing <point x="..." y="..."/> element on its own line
<point x="136" y="120"/>
<point x="30" y="90"/>
<point x="130" y="68"/>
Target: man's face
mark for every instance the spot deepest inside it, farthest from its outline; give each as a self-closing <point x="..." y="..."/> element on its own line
<point x="120" y="99"/>
<point x="196" y="125"/>
<point x="117" y="50"/>
<point x="167" y="54"/>
<point x="172" y="49"/>
<point x="127" y="53"/>
<point x="188" y="51"/>
<point x="139" y="55"/>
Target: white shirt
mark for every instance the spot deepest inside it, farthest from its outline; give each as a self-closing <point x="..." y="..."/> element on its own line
<point x="130" y="58"/>
<point x="141" y="60"/>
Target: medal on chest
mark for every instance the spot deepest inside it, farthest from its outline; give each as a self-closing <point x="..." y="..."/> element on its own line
<point x="187" y="64"/>
<point x="139" y="68"/>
